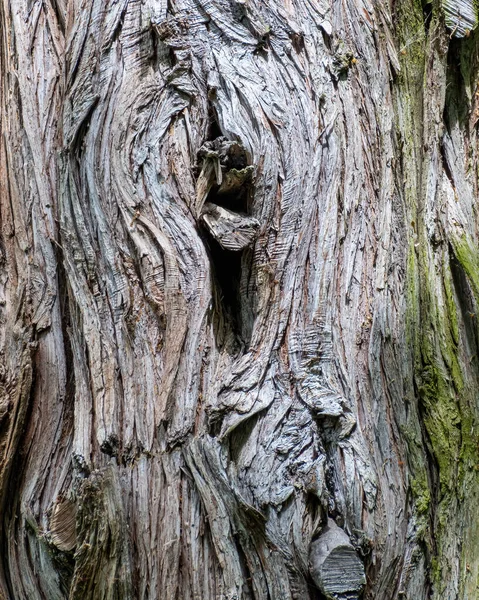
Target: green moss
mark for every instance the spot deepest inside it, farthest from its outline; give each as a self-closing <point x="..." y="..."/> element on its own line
<point x="421" y="494"/>
<point x="469" y="260"/>
<point x="411" y="34"/>
<point x="450" y="302"/>
<point x="412" y="291"/>
<point x="442" y="421"/>
<point x="448" y="408"/>
<point x="436" y="571"/>
<point x="434" y="323"/>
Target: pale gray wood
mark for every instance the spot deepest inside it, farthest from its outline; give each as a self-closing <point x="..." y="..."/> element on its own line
<point x="231" y="230"/>
<point x="202" y="411"/>
<point x="335" y="565"/>
<point x="461" y="16"/>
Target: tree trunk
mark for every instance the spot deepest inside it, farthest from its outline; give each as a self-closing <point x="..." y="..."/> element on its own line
<point x="239" y="276"/>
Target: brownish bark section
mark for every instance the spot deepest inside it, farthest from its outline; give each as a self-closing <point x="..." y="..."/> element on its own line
<point x="238" y="286"/>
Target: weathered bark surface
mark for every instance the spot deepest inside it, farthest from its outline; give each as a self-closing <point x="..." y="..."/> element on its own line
<point x="239" y="275"/>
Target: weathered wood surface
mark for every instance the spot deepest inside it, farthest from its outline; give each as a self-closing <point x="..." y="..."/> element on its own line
<point x="335" y="566"/>
<point x="231" y="230"/>
<point x="201" y="413"/>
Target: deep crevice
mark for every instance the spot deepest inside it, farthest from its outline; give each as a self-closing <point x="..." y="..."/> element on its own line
<point x="248" y="592"/>
<point x="214" y="129"/>
<point x="445" y="164"/>
<point x="427" y="14"/>
<point x="466" y="302"/>
<point x="462" y="59"/>
<point x="11" y="517"/>
<point x="215" y="423"/>
<point x="66" y="323"/>
<point x="432" y="465"/>
<point x="233" y="316"/>
<point x="227" y="279"/>
<point x="60" y="15"/>
<point x="78" y="140"/>
<point x="240" y="436"/>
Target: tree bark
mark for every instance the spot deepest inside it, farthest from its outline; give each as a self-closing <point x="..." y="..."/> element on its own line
<point x="239" y="277"/>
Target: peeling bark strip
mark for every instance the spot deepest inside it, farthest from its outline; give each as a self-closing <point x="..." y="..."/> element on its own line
<point x="231" y="231"/>
<point x="63" y="525"/>
<point x="239" y="288"/>
<point x="461" y="16"/>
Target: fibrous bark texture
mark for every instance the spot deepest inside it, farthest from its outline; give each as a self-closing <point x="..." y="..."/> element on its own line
<point x="239" y="278"/>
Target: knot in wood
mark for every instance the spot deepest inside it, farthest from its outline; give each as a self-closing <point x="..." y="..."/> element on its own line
<point x="335" y="566"/>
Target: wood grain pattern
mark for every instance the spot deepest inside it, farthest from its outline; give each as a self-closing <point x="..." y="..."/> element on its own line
<point x="206" y="407"/>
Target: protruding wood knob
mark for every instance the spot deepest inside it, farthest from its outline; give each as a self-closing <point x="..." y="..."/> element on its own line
<point x="335" y="566"/>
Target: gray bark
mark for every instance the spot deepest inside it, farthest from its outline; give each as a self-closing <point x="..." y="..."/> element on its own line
<point x="239" y="277"/>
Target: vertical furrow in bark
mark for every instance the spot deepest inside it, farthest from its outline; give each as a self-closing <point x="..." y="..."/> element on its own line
<point x="32" y="51"/>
